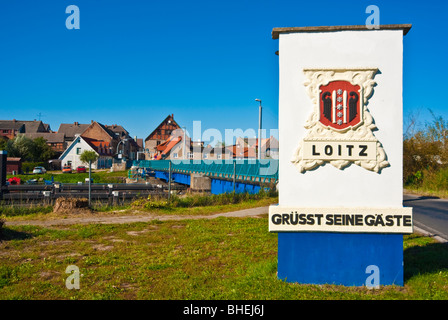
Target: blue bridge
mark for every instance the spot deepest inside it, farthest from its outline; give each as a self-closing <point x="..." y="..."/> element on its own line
<point x="225" y="175"/>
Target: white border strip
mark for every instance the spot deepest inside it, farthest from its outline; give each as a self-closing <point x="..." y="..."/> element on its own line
<point x="340" y="219"/>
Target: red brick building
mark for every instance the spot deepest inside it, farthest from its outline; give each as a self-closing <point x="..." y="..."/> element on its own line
<point x="13" y="165"/>
<point x="161" y="134"/>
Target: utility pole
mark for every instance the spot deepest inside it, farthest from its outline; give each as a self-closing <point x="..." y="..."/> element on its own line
<point x="169" y="180"/>
<point x="183" y="149"/>
<point x="259" y="130"/>
<point x="3" y="161"/>
<point x="90" y="183"/>
<point x="234" y="175"/>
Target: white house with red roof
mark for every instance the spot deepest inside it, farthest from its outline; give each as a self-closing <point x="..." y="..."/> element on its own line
<point x="71" y="155"/>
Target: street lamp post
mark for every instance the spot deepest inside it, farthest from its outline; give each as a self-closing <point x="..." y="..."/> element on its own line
<point x="259" y="130"/>
<point x="124" y="140"/>
<point x="183" y="148"/>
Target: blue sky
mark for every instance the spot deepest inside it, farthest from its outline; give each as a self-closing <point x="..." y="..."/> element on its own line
<point x="134" y="62"/>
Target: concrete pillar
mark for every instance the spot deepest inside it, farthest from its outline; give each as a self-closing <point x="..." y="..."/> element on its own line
<point x="3" y="161"/>
<point x="340" y="161"/>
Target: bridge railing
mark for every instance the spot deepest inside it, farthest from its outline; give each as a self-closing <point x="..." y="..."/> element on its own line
<point x="265" y="170"/>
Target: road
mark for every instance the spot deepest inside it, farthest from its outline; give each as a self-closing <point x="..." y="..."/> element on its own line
<point x="430" y="214"/>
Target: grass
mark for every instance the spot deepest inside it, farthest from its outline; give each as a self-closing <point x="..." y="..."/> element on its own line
<point x="97" y="176"/>
<point x="223" y="258"/>
<point x="199" y="204"/>
<point x="28" y="210"/>
<point x="205" y="203"/>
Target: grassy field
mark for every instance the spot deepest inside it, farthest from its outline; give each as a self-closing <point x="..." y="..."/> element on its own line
<point x="223" y="258"/>
<point x="198" y="204"/>
<point x="98" y="176"/>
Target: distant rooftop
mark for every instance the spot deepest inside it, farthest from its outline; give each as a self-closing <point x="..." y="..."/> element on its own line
<point x="276" y="31"/>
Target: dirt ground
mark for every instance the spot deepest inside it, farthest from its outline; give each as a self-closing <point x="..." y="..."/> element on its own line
<point x="136" y="216"/>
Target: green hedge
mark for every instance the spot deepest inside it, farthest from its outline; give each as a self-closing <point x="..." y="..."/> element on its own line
<point x="30" y="166"/>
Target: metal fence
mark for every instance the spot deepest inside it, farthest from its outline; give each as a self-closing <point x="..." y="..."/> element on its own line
<point x="101" y="192"/>
<point x="264" y="171"/>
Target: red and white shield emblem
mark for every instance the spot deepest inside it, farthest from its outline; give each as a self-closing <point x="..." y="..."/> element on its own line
<point x="340" y="105"/>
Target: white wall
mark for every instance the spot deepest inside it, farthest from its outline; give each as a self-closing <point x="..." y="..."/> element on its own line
<point x="327" y="185"/>
<point x="74" y="157"/>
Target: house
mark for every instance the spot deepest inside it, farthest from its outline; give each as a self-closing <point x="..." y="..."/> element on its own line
<point x="100" y="132"/>
<point x="248" y="148"/>
<point x="173" y="148"/>
<point x="161" y="134"/>
<point x="71" y="156"/>
<point x="169" y="149"/>
<point x="11" y="128"/>
<point x="35" y="126"/>
<point x="55" y="140"/>
<point x="118" y="131"/>
<point x="269" y="148"/>
<point x="239" y="152"/>
<point x="216" y="153"/>
<point x="167" y="142"/>
<point x="71" y="130"/>
<point x="131" y="146"/>
<point x="116" y="137"/>
<point x="13" y="165"/>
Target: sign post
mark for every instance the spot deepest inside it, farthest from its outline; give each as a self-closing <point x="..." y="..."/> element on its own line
<point x="340" y="216"/>
<point x="3" y="165"/>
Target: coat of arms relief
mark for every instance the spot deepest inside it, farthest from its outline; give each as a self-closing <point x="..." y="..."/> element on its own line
<point x="340" y="128"/>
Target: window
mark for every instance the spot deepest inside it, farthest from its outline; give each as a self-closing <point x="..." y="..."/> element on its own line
<point x="218" y="156"/>
<point x="175" y="155"/>
<point x="78" y="150"/>
<point x="190" y="155"/>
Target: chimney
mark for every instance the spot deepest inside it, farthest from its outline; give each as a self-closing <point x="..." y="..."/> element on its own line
<point x="76" y="123"/>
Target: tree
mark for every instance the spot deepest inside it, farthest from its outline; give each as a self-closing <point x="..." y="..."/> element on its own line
<point x="41" y="151"/>
<point x="21" y="146"/>
<point x="36" y="150"/>
<point x="3" y="143"/>
<point x="424" y="149"/>
<point x="89" y="157"/>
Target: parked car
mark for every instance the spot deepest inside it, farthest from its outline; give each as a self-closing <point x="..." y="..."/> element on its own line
<point x="66" y="169"/>
<point x="81" y="169"/>
<point x="38" y="170"/>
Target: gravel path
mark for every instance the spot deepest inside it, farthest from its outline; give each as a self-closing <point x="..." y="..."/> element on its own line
<point x="91" y="219"/>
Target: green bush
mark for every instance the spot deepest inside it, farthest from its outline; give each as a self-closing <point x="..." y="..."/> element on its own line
<point x="435" y="180"/>
<point x="29" y="166"/>
<point x="425" y="151"/>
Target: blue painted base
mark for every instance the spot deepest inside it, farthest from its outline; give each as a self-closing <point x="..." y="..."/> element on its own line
<point x="339" y="258"/>
<point x="219" y="186"/>
<point x="176" y="177"/>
